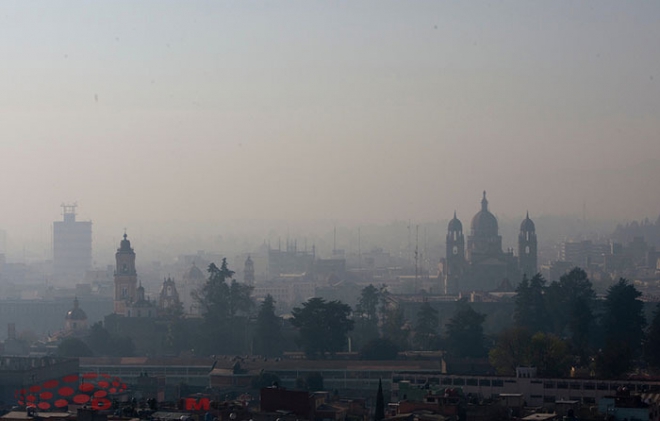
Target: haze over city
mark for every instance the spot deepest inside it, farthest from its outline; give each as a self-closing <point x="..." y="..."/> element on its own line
<point x="330" y="210"/>
<point x="193" y="119"/>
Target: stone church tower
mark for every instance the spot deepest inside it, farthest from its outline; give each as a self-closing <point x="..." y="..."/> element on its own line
<point x="248" y="271"/>
<point x="455" y="255"/>
<point x="527" y="251"/>
<point x="125" y="277"/>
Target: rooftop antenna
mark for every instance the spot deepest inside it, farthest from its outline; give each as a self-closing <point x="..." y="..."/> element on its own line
<point x="334" y="242"/>
<point x="416" y="255"/>
<point x="69" y="211"/>
<point x="359" y="251"/>
<point x="424" y="254"/>
<point x="409" y="245"/>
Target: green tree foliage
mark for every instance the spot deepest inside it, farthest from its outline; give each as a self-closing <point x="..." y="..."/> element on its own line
<point x="225" y="305"/>
<point x="511" y="350"/>
<point x="322" y="326"/>
<point x="221" y="298"/>
<point x="652" y="344"/>
<point x="624" y="318"/>
<point x="426" y="328"/>
<point x="517" y="347"/>
<point x="465" y="333"/>
<point x="530" y="310"/>
<point x="73" y="348"/>
<point x="379" y="349"/>
<point x="549" y="354"/>
<point x="104" y="343"/>
<point x="269" y="329"/>
<point x="177" y="337"/>
<point x="572" y="303"/>
<point x="623" y="326"/>
<point x="395" y="326"/>
<point x="366" y="316"/>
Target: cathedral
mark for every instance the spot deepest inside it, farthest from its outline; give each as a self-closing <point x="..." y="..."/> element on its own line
<point x="130" y="299"/>
<point x="483" y="265"/>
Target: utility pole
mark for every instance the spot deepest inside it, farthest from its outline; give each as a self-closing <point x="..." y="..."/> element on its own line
<point x="416" y="257"/>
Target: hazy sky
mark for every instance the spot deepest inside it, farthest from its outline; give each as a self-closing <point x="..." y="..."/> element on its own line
<point x="164" y="115"/>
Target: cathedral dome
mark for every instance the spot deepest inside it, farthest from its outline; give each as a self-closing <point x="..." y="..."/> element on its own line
<point x="455" y="224"/>
<point x="527" y="225"/>
<point x="484" y="223"/>
<point x="76" y="313"/>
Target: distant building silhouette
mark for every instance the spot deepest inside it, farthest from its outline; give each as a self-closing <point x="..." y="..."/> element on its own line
<point x="290" y="261"/>
<point x="483" y="265"/>
<point x="248" y="271"/>
<point x="193" y="280"/>
<point x="527" y="248"/>
<point x="141" y="307"/>
<point x="75" y="320"/>
<point x="72" y="246"/>
<point x="169" y="297"/>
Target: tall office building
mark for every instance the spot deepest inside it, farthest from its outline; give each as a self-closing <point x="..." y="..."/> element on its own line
<point x="72" y="246"/>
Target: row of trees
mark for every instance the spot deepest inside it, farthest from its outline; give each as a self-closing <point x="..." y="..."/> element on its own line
<point x="557" y="326"/>
<point x="377" y="327"/>
<point x="377" y="317"/>
<point x="562" y="325"/>
<point x="379" y="330"/>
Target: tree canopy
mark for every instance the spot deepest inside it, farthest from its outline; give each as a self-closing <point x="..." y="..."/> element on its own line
<point x="225" y="305"/>
<point x="572" y="300"/>
<point x="366" y="316"/>
<point x="221" y="297"/>
<point x="652" y="344"/>
<point x="73" y="348"/>
<point x="530" y="308"/>
<point x="268" y="329"/>
<point x="518" y="347"/>
<point x="623" y="326"/>
<point x="426" y="328"/>
<point x="465" y="333"/>
<point x="323" y="326"/>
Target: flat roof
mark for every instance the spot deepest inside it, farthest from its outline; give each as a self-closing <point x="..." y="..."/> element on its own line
<point x="540" y="417"/>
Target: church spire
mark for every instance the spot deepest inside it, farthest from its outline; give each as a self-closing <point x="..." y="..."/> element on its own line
<point x="484" y="202"/>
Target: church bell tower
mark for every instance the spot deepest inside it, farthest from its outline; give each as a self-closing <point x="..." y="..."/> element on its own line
<point x="248" y="271"/>
<point x="455" y="255"/>
<point x="527" y="251"/>
<point x="125" y="276"/>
